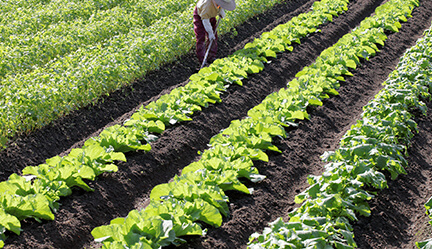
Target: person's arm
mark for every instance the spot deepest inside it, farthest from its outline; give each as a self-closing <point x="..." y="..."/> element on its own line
<point x="208" y="28"/>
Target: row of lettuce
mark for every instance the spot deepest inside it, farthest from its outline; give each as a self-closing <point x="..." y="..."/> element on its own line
<point x="376" y="143"/>
<point x="36" y="193"/>
<point x="197" y="195"/>
<point x="58" y="69"/>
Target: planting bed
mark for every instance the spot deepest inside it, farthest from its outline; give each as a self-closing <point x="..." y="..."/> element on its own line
<point x="398" y="217"/>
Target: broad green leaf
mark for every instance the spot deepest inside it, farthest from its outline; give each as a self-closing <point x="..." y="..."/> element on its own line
<point x="332" y="91"/>
<point x="107" y="233"/>
<point x="351" y="64"/>
<point x="269" y="53"/>
<point x="252" y="69"/>
<point x="86" y="173"/>
<point x="362" y="150"/>
<point x="208" y="213"/>
<point x="77" y="181"/>
<point x="10" y="222"/>
<point x="160" y="191"/>
<point x="299" y="115"/>
<point x="212" y="77"/>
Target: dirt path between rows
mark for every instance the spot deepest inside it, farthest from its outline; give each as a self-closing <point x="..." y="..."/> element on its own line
<point x="116" y="194"/>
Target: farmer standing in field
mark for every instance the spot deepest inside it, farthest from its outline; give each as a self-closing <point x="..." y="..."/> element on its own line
<point x="205" y="25"/>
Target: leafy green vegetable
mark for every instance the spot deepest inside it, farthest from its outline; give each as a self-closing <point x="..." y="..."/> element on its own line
<point x="372" y="144"/>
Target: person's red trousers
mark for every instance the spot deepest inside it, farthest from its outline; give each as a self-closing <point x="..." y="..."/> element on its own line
<point x="201" y="34"/>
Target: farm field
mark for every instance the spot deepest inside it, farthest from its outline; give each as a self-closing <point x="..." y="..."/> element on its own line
<point x="398" y="217"/>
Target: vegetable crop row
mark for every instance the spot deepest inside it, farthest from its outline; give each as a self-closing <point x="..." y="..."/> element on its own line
<point x="24" y="52"/>
<point x="35" y="15"/>
<point x="36" y="193"/>
<point x="32" y="100"/>
<point x="377" y="142"/>
<point x="10" y="5"/>
<point x="198" y="193"/>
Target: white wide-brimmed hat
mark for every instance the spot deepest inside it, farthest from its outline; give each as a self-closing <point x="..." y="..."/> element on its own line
<point x="226" y="4"/>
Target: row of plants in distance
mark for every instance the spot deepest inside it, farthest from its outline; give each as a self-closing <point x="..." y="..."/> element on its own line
<point x="46" y="12"/>
<point x="427" y="244"/>
<point x="198" y="193"/>
<point x="21" y="52"/>
<point x="32" y="100"/>
<point x="36" y="193"/>
<point x="377" y="142"/>
<point x="30" y="17"/>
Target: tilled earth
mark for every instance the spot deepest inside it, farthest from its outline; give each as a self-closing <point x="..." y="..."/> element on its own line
<point x="398" y="217"/>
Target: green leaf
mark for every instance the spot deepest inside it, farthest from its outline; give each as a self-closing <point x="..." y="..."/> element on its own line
<point x="36" y="206"/>
<point x="257" y="154"/>
<point x="71" y="182"/>
<point x="159" y="191"/>
<point x="427" y="244"/>
<point x="207" y="213"/>
<point x="340" y="245"/>
<point x="156" y="126"/>
<point x="253" y="69"/>
<point x="316" y="102"/>
<point x="332" y="91"/>
<point x="85" y="172"/>
<point x="109" y="168"/>
<point x="428" y="204"/>
<point x="107" y="233"/>
<point x="269" y="53"/>
<point x="192" y="167"/>
<point x="299" y="115"/>
<point x="351" y="64"/>
<point x="10" y="222"/>
<point x="362" y="150"/>
<point x="212" y="77"/>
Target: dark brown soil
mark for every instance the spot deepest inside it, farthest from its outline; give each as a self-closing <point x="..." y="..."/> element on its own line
<point x="398" y="217"/>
